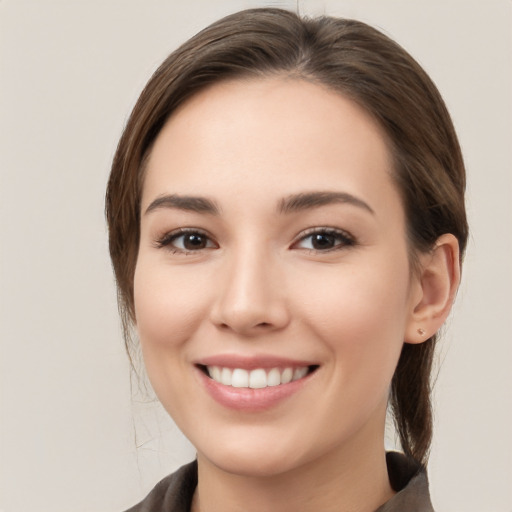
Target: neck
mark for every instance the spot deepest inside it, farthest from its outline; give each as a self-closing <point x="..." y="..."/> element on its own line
<point x="350" y="479"/>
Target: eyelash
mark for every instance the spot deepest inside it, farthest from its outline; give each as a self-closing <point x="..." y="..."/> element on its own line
<point x="342" y="240"/>
<point x="168" y="238"/>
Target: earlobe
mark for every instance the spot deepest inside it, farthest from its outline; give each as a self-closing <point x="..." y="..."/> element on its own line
<point x="437" y="283"/>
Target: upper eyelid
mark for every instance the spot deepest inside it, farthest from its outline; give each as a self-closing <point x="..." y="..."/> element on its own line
<point x="176" y="233"/>
<point x="168" y="236"/>
<point x="184" y="231"/>
<point x="346" y="239"/>
<point x="324" y="229"/>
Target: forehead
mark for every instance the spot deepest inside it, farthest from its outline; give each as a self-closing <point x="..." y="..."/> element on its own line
<point x="272" y="136"/>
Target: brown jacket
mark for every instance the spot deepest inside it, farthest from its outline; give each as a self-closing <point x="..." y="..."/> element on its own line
<point x="174" y="493"/>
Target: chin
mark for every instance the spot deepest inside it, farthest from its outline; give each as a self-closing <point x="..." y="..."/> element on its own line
<point x="253" y="459"/>
<point x="256" y="465"/>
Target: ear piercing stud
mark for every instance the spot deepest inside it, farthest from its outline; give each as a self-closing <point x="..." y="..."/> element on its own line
<point x="421" y="331"/>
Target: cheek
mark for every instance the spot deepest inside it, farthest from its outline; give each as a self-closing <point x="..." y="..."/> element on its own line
<point x="361" y="324"/>
<point x="168" y="306"/>
<point x="368" y="295"/>
<point x="361" y="316"/>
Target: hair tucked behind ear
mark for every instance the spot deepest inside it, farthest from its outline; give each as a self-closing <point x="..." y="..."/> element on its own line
<point x="358" y="62"/>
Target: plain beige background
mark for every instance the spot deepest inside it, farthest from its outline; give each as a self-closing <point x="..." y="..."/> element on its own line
<point x="72" y="439"/>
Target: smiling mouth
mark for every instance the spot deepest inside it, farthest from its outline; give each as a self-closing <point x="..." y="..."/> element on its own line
<point x="258" y="378"/>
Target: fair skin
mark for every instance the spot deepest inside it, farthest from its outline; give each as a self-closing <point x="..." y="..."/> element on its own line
<point x="294" y="255"/>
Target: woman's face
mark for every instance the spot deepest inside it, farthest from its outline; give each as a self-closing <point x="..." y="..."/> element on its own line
<point x="272" y="248"/>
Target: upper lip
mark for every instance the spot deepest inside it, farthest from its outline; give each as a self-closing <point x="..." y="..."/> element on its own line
<point x="252" y="362"/>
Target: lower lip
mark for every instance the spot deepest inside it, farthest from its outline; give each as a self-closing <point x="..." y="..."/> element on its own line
<point x="248" y="399"/>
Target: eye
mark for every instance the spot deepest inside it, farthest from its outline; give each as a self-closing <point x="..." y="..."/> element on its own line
<point x="186" y="241"/>
<point x="324" y="239"/>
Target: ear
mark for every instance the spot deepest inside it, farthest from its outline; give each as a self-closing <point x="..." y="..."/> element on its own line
<point x="434" y="289"/>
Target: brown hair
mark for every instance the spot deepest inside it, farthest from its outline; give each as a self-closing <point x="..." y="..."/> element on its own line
<point x="357" y="61"/>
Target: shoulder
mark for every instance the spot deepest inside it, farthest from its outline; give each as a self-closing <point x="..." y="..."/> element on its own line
<point x="174" y="493"/>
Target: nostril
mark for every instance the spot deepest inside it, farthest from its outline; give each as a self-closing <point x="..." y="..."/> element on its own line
<point x="249" y="318"/>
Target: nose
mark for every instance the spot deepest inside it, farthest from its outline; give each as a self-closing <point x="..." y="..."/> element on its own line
<point x="251" y="299"/>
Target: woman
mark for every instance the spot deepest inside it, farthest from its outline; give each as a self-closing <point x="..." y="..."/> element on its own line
<point x="287" y="223"/>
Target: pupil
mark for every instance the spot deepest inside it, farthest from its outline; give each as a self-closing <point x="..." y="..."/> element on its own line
<point x="194" y="242"/>
<point x="322" y="241"/>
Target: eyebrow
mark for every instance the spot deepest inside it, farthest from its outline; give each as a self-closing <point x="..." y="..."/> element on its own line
<point x="187" y="203"/>
<point x="290" y="204"/>
<point x="307" y="200"/>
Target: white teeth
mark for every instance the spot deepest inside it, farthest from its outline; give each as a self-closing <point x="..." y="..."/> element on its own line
<point x="286" y="376"/>
<point x="256" y="379"/>
<point x="274" y="377"/>
<point x="240" y="378"/>
<point x="225" y="376"/>
<point x="299" y="373"/>
<point x="215" y="373"/>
